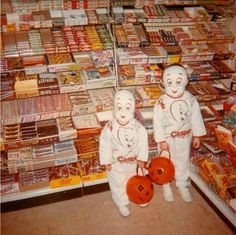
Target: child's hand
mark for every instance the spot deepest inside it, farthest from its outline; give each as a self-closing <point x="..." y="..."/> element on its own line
<point x="164" y="146"/>
<point x="196" y="142"/>
<point x="141" y="164"/>
<point x="108" y="167"/>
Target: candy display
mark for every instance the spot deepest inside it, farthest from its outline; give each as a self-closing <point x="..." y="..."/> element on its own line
<point x="87" y="145"/>
<point x="218" y="173"/>
<point x="66" y="128"/>
<point x="47" y="131"/>
<point x="62" y="62"/>
<point x="71" y="82"/>
<point x="65" y="152"/>
<point x="85" y="121"/>
<point x="66" y="175"/>
<point x="33" y="179"/>
<point x="48" y="84"/>
<point x="102" y="98"/>
<point x="91" y="170"/>
<point x="147" y="96"/>
<point x="81" y="103"/>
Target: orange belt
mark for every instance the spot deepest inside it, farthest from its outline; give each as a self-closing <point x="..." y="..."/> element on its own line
<point x="128" y="159"/>
<point x="180" y="133"/>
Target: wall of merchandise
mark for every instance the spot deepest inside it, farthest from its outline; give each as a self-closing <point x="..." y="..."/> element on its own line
<point x="61" y="62"/>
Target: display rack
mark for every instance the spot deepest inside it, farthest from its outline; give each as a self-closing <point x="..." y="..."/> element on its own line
<point x="95" y="182"/>
<point x="45" y="191"/>
<point x="215" y="199"/>
<point x="36" y="193"/>
<point x="29" y="27"/>
<point x="167" y="55"/>
<point x="187" y="56"/>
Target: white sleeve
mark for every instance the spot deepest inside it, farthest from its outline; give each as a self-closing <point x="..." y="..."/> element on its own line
<point x="142" y="144"/>
<point x="158" y="128"/>
<point x="105" y="146"/>
<point x="198" y="127"/>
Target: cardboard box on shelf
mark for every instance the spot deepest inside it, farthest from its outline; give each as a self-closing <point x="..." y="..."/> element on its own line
<point x="99" y="78"/>
<point x="47" y="131"/>
<point x="81" y="103"/>
<point x="86" y="125"/>
<point x="49" y="155"/>
<point x="48" y="84"/>
<point x="232" y="152"/>
<point x="27" y="88"/>
<point x="71" y="81"/>
<point x="223" y="136"/>
<point x="102" y="99"/>
<point x="65" y="175"/>
<point x="66" y="128"/>
<point x="91" y="170"/>
<point x="32" y="180"/>
<point x="87" y="145"/>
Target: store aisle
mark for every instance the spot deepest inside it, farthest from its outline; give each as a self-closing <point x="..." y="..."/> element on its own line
<point x="96" y="215"/>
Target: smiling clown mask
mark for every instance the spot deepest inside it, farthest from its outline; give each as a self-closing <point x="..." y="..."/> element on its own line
<point x="175" y="80"/>
<point x="124" y="107"/>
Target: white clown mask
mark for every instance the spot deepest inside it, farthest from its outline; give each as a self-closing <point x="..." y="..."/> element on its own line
<point x="175" y="80"/>
<point x="124" y="107"/>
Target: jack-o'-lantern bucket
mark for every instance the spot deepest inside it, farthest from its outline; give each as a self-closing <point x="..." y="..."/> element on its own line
<point x="139" y="188"/>
<point x="161" y="169"/>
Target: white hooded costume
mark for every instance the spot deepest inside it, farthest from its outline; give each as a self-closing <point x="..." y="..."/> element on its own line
<point x="123" y="141"/>
<point x="176" y="119"/>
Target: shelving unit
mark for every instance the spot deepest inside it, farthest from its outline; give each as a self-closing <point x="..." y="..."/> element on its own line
<point x="58" y="66"/>
<point x="95" y="182"/>
<point x="215" y="199"/>
<point x="35" y="193"/>
<point x="45" y="191"/>
<point x="67" y="90"/>
<point x="193" y="52"/>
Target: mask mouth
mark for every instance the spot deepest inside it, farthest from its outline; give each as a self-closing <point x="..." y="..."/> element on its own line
<point x="122" y="122"/>
<point x="174" y="92"/>
<point x="123" y="116"/>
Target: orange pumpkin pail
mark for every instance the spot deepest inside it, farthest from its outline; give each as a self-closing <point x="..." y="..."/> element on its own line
<point x="139" y="189"/>
<point x="161" y="169"/>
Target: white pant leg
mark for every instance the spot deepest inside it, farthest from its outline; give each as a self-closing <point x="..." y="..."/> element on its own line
<point x="180" y="150"/>
<point x="117" y="178"/>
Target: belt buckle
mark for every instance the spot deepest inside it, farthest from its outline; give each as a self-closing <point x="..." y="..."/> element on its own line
<point x="174" y="133"/>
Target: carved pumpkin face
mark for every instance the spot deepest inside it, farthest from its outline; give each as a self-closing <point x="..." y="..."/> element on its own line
<point x="161" y="170"/>
<point x="139" y="189"/>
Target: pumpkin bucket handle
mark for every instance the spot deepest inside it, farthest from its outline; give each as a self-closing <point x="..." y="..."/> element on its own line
<point x="141" y="170"/>
<point x="159" y="155"/>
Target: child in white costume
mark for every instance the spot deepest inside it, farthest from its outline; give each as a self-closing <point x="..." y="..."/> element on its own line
<point x="176" y="120"/>
<point x="123" y="144"/>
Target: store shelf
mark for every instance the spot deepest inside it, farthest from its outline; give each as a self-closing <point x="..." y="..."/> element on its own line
<point x="202" y="2"/>
<point x="57" y="66"/>
<point x="95" y="182"/>
<point x="216" y="200"/>
<point x="35" y="193"/>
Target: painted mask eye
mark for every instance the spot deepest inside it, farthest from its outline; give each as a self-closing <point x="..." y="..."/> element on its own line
<point x="179" y="81"/>
<point x="119" y="107"/>
<point x="169" y="83"/>
<point x="128" y="107"/>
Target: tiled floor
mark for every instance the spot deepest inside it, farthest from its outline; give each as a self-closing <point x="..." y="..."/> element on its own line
<point x="96" y="215"/>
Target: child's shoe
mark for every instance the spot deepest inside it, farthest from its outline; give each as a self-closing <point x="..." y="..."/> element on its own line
<point x="185" y="194"/>
<point x="124" y="210"/>
<point x="143" y="205"/>
<point x="167" y="193"/>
